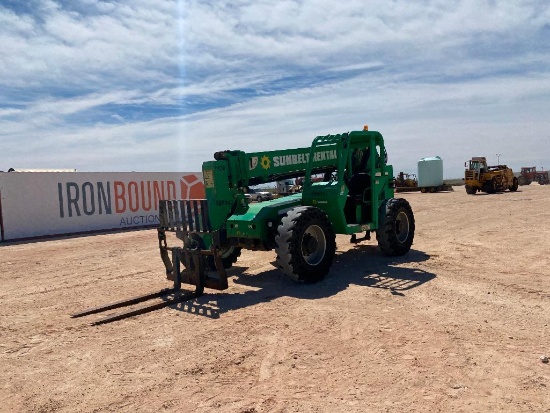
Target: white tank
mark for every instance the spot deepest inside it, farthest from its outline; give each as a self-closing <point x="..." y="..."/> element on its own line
<point x="430" y="171"/>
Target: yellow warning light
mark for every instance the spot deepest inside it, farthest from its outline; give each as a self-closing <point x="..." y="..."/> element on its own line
<point x="366" y="127"/>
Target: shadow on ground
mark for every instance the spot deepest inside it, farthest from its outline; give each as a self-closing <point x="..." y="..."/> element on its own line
<point x="364" y="265"/>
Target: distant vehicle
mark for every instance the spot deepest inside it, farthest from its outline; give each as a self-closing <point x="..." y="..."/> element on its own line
<point x="481" y="177"/>
<point x="530" y="174"/>
<point x="405" y="180"/>
<point x="258" y="196"/>
<point x="285" y="187"/>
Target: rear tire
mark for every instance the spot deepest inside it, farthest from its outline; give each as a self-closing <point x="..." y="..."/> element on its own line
<point x="306" y="244"/>
<point x="515" y="184"/>
<point x="395" y="233"/>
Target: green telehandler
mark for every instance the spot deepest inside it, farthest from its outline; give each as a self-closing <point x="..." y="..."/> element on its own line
<point x="356" y="197"/>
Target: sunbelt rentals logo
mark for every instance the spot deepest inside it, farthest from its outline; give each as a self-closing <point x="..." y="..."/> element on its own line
<point x="289" y="160"/>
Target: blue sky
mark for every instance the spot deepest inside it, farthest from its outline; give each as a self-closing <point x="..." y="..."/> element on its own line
<point x="161" y="85"/>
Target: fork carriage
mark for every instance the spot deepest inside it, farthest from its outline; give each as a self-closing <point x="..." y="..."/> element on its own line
<point x="188" y="219"/>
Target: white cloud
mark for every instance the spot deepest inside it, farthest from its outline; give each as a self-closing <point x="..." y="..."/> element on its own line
<point x="136" y="85"/>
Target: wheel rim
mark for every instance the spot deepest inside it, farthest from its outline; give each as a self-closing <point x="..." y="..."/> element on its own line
<point x="314" y="245"/>
<point x="402" y="227"/>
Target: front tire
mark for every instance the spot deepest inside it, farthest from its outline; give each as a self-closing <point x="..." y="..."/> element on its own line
<point x="306" y="244"/>
<point x="470" y="190"/>
<point x="229" y="257"/>
<point x="396" y="226"/>
<point x="490" y="186"/>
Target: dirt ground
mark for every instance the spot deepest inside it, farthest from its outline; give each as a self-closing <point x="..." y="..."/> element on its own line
<point x="459" y="324"/>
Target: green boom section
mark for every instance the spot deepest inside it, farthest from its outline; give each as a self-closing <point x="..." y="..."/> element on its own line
<point x="341" y="157"/>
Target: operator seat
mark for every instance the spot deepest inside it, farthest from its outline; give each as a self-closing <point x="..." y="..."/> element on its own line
<point x="359" y="187"/>
<point x="360" y="180"/>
